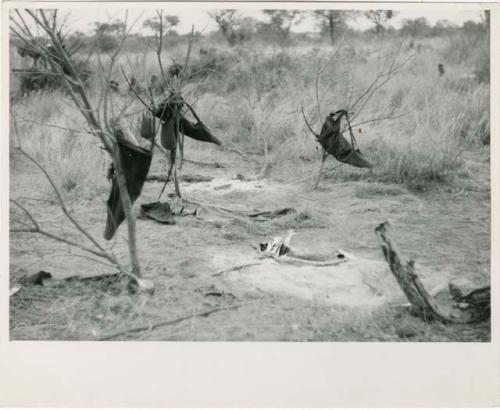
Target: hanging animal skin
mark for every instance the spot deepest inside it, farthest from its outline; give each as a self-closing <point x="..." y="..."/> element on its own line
<point x="168" y="135"/>
<point x="147" y="128"/>
<point x="197" y="131"/>
<point x="166" y="109"/>
<point x="136" y="162"/>
<point x="332" y="140"/>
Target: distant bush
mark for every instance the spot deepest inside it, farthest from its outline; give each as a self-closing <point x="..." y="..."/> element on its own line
<point x="416" y="27"/>
<point x="482" y="58"/>
<point x="211" y="63"/>
<point x="419" y="167"/>
<point x="107" y="43"/>
<point x="465" y="47"/>
<point x="46" y="79"/>
<point x="427" y="148"/>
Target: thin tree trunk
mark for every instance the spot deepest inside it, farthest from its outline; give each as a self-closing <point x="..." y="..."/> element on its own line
<point x="176" y="183"/>
<point x="324" y="154"/>
<point x="127" y="209"/>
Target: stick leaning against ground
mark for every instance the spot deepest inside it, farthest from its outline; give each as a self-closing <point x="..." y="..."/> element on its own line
<point x="476" y="304"/>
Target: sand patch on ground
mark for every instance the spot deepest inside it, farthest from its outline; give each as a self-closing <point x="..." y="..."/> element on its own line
<point x="445" y="233"/>
<point x="355" y="282"/>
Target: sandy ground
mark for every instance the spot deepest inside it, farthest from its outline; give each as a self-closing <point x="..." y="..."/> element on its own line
<point x="447" y="233"/>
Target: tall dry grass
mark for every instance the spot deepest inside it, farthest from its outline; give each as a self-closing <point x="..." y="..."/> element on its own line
<point x="53" y="133"/>
<point x="251" y="97"/>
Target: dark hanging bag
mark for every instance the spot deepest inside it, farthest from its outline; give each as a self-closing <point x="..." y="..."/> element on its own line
<point x="135" y="162"/>
<point x="333" y="142"/>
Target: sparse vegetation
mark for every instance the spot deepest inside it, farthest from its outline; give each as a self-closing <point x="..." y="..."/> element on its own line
<point x="425" y="133"/>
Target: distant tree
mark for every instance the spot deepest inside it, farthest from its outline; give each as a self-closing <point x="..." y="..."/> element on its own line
<point x="380" y="18"/>
<point x="106" y="28"/>
<point x="473" y="27"/>
<point x="442" y="27"/>
<point x="226" y="20"/>
<point x="233" y="27"/>
<point x="282" y="22"/>
<point x="106" y="34"/>
<point x="415" y="27"/>
<point x="248" y="25"/>
<point x="333" y="21"/>
<point x="169" y="22"/>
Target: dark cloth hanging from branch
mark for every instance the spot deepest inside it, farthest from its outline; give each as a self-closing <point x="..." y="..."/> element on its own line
<point x="166" y="112"/>
<point x="168" y="137"/>
<point x="135" y="162"/>
<point x="197" y="131"/>
<point x="332" y="140"/>
<point x="167" y="108"/>
<point x="147" y="127"/>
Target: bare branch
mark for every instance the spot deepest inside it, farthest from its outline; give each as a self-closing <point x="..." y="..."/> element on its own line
<point x="60" y="200"/>
<point x="169" y="322"/>
<point x="307" y="122"/>
<point x="36" y="229"/>
<point x="44" y="124"/>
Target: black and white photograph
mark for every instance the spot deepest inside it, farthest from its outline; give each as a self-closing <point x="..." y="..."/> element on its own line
<point x="249" y="173"/>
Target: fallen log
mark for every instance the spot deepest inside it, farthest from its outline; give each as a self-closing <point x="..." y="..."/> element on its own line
<point x="471" y="308"/>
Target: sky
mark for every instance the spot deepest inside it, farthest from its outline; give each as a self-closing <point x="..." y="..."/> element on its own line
<point x="82" y="19"/>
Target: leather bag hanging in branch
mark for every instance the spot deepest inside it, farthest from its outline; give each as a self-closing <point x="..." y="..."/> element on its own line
<point x="333" y="141"/>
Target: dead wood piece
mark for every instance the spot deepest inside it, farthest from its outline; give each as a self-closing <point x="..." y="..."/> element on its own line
<point x="279" y="250"/>
<point x="35" y="278"/>
<point x="96" y="278"/>
<point x="244" y="178"/>
<point x="318" y="257"/>
<point x="214" y="292"/>
<point x="204" y="164"/>
<point x="190" y="178"/>
<point x="477" y="303"/>
<point x="236" y="268"/>
<point x="460" y="287"/>
<point x="221" y="187"/>
<point x="155" y="325"/>
<point x="306" y="262"/>
<point x="157" y="178"/>
<point x="194" y="178"/>
<point x="243" y="213"/>
<point x="481" y="296"/>
<point x="262" y="174"/>
<point x="272" y="214"/>
<point x="422" y="302"/>
<point x="279" y="246"/>
<point x="158" y="211"/>
<point x="14" y="290"/>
